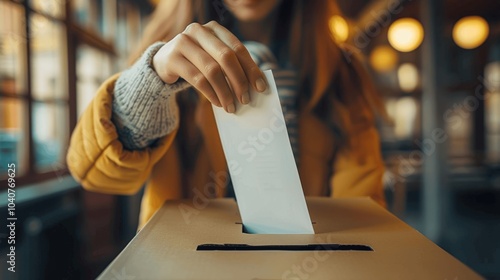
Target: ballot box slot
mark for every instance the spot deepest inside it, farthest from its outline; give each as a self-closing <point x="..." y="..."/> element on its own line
<point x="307" y="247"/>
<point x="245" y="231"/>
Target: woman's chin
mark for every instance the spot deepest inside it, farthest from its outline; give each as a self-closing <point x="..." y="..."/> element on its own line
<point x="251" y="11"/>
<point x="250" y="17"/>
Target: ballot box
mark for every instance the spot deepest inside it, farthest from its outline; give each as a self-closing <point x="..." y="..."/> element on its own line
<point x="354" y="239"/>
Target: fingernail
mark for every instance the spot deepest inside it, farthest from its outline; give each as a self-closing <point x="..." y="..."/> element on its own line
<point x="245" y="98"/>
<point x="261" y="85"/>
<point x="230" y="108"/>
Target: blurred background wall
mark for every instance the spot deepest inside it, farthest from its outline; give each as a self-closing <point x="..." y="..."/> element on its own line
<point x="437" y="64"/>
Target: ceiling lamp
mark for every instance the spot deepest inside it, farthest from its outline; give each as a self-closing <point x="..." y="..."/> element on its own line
<point x="406" y="34"/>
<point x="383" y="58"/>
<point x="492" y="76"/>
<point x="470" y="32"/>
<point x="339" y="28"/>
<point x="406" y="113"/>
<point x="408" y="77"/>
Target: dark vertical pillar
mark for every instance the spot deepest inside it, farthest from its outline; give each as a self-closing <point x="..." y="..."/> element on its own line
<point x="434" y="169"/>
<point x="71" y="66"/>
<point x="479" y="125"/>
<point x="29" y="94"/>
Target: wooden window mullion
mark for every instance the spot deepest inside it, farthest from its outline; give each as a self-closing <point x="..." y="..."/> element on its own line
<point x="71" y="45"/>
<point x="31" y="152"/>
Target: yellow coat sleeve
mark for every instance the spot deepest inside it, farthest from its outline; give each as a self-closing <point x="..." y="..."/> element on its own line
<point x="97" y="159"/>
<point x="359" y="169"/>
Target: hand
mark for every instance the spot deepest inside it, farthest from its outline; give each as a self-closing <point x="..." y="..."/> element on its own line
<point x="214" y="61"/>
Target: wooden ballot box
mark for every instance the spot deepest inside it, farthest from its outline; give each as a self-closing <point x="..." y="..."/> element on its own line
<point x="355" y="239"/>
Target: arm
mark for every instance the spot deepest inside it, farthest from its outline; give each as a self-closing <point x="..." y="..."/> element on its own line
<point x="144" y="107"/>
<point x="110" y="149"/>
<point x="358" y="170"/>
<point x="96" y="158"/>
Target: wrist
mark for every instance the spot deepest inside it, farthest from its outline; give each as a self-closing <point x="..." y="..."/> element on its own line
<point x="159" y="65"/>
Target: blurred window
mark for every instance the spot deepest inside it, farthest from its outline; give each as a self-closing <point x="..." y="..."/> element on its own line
<point x="12" y="49"/>
<point x="93" y="67"/>
<point x="51" y="65"/>
<point x="50" y="135"/>
<point x="13" y="89"/>
<point x="459" y="125"/>
<point x="88" y="14"/>
<point x="48" y="59"/>
<point x="13" y="132"/>
<point x="404" y="113"/>
<point x="54" y="8"/>
<point x="492" y="111"/>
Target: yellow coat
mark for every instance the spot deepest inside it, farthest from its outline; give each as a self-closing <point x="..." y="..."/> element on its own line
<point x="97" y="159"/>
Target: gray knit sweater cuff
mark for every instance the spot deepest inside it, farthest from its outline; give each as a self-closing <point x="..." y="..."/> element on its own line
<point x="144" y="107"/>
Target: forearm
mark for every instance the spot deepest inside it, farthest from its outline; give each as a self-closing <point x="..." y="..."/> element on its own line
<point x="144" y="107"/>
<point x="98" y="160"/>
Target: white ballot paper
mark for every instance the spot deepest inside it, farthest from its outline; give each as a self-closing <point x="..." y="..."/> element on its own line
<point x="262" y="167"/>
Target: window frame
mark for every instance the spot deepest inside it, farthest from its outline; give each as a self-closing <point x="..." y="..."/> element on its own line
<point x="75" y="36"/>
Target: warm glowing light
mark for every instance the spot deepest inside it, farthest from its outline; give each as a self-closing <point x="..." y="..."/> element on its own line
<point x="492" y="76"/>
<point x="470" y="32"/>
<point x="406" y="34"/>
<point x="383" y="58"/>
<point x="339" y="28"/>
<point x="403" y="111"/>
<point x="408" y="77"/>
<point x="406" y="109"/>
<point x="492" y="121"/>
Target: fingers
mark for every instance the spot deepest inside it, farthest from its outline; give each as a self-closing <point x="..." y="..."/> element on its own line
<point x="252" y="71"/>
<point x="212" y="72"/>
<point x="214" y="61"/>
<point x="198" y="80"/>
<point x="190" y="72"/>
<point x="225" y="57"/>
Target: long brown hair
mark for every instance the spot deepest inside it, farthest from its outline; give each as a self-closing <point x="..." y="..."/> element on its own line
<point x="335" y="86"/>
